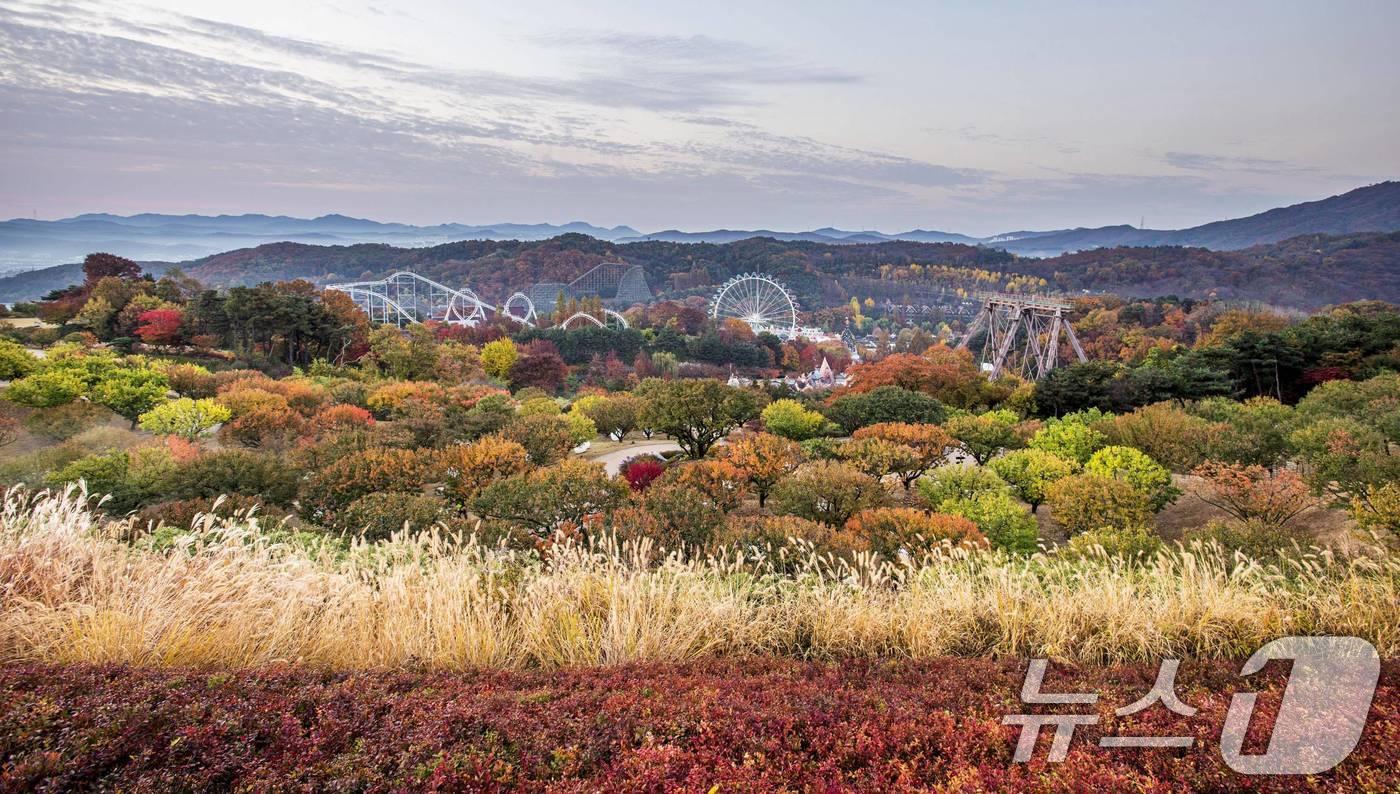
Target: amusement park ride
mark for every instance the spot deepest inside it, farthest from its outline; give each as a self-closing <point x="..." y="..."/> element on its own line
<point x="1017" y="333"/>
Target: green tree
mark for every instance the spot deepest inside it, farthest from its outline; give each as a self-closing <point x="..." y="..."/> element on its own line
<point x="984" y="435"/>
<point x="696" y="413"/>
<point x="184" y="417"/>
<point x="1138" y="470"/>
<point x="46" y="389"/>
<point x="563" y="496"/>
<point x="1070" y="437"/>
<point x="131" y="392"/>
<point x="15" y="361"/>
<point x="1007" y="525"/>
<point x="1031" y="471"/>
<point x="789" y="419"/>
<point x="614" y="416"/>
<point x="828" y="492"/>
<point x="885" y="404"/>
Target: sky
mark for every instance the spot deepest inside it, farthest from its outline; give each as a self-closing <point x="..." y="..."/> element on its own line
<point x="975" y="117"/>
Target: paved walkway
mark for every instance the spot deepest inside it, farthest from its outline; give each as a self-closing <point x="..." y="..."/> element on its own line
<point x="612" y="461"/>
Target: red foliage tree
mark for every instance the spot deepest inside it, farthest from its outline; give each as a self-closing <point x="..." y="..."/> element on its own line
<point x="160" y="326"/>
<point x="641" y="471"/>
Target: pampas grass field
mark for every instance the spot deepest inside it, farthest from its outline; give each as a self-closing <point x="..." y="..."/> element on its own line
<point x="229" y="593"/>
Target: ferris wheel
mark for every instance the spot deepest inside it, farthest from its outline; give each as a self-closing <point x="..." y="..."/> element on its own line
<point x="759" y="300"/>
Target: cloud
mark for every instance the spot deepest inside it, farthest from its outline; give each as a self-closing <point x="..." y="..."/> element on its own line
<point x="1191" y="161"/>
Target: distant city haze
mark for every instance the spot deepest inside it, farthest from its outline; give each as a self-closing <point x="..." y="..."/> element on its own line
<point x="979" y="118"/>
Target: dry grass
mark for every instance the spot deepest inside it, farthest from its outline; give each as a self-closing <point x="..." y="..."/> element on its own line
<point x="227" y="595"/>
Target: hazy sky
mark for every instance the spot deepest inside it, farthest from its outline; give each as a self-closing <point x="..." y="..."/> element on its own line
<point x="976" y="117"/>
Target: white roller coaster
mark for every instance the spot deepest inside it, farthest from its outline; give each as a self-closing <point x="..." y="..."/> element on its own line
<point x="404" y="297"/>
<point x="610" y="319"/>
<point x="521" y="309"/>
<point x="759" y="300"/>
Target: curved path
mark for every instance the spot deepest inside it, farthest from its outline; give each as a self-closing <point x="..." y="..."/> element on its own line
<point x="612" y="461"/>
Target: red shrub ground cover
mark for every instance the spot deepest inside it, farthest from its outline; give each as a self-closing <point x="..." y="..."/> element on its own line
<point x="760" y="725"/>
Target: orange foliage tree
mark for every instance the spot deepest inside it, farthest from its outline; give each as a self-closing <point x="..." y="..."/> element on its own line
<point x="764" y="459"/>
<point x="930" y="444"/>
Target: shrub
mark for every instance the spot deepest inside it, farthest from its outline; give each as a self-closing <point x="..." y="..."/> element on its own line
<point x="387" y="401"/>
<point x="184" y="417"/>
<point x="46" y="389"/>
<point x="181" y="513"/>
<point x="1254" y="493"/>
<point x="1070" y="437"/>
<point x="265" y="428"/>
<point x="1086" y="502"/>
<point x="62" y="422"/>
<point x="1164" y="432"/>
<point x="1377" y="508"/>
<point x="360" y="473"/>
<point x="772" y="535"/>
<point x="233" y="471"/>
<point x="191" y="380"/>
<point x="1031" y="471"/>
<point x="1136" y="543"/>
<point x="723" y="483"/>
<point x="640" y="472"/>
<point x="984" y="435"/>
<point x="1136" y="469"/>
<point x="131" y="392"/>
<point x="244" y="400"/>
<point x="1006" y="524"/>
<point x="468" y="468"/>
<point x="15" y="361"/>
<point x="1252" y="539"/>
<point x="828" y="492"/>
<point x="377" y="516"/>
<point x="672" y="515"/>
<point x="333" y="418"/>
<point x="887" y="530"/>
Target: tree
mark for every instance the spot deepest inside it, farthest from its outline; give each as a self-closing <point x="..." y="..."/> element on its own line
<point x="615" y="416"/>
<point x="1031" y="472"/>
<point x="184" y="417"/>
<point x="890" y="530"/>
<point x="789" y="419"/>
<point x="1007" y="525"/>
<point x="696" y="413"/>
<point x="878" y="457"/>
<point x="984" y="435"/>
<point x="46" y="389"/>
<point x="546" y="439"/>
<point x="540" y="366"/>
<point x="265" y="428"/>
<point x="1254" y="493"/>
<point x="671" y="515"/>
<point x="1086" y="502"/>
<point x="723" y="483"/>
<point x="764" y="459"/>
<point x="1138" y="470"/>
<point x="498" y="356"/>
<point x="930" y="444"/>
<point x="131" y="392"/>
<point x="1377" y="508"/>
<point x="960" y="482"/>
<point x="564" y="496"/>
<point x="102" y="265"/>
<point x="884" y="404"/>
<point x="330" y="489"/>
<point x="15" y="361"/>
<point x="828" y="492"/>
<point x="948" y="374"/>
<point x="160" y="326"/>
<point x="1070" y="437"/>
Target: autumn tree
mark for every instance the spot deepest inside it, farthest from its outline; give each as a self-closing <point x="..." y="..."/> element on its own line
<point x="160" y="326"/>
<point x="1085" y="502"/>
<point x="696" y="413"/>
<point x="930" y="444"/>
<point x="615" y="415"/>
<point x="765" y="459"/>
<point x="468" y="468"/>
<point x="890" y="530"/>
<point x="498" y="356"/>
<point x="878" y="457"/>
<point x="131" y="392"/>
<point x="828" y="492"/>
<point x="1254" y="493"/>
<point x="546" y="439"/>
<point x="722" y="482"/>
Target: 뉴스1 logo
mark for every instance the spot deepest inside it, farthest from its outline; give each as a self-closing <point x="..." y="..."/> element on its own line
<point x="1319" y="722"/>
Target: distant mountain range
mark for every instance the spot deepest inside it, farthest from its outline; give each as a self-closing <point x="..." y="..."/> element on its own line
<point x="26" y="244"/>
